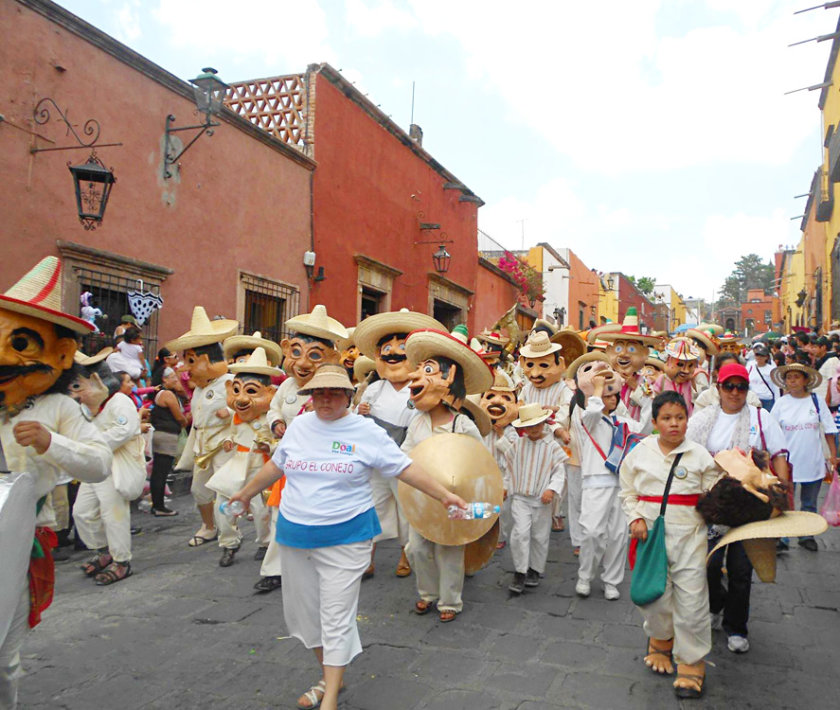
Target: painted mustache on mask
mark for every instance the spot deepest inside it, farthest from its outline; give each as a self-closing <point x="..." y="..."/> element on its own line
<point x="393" y="359"/>
<point x="10" y="372"/>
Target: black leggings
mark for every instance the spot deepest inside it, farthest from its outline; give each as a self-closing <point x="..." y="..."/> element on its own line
<point x="161" y="466"/>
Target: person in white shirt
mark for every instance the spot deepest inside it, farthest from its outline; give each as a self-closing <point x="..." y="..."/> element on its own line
<point x="761" y="383"/>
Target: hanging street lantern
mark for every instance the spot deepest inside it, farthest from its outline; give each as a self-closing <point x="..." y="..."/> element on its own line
<point x="441" y="259"/>
<point x="209" y="92"/>
<point x="93" y="183"/>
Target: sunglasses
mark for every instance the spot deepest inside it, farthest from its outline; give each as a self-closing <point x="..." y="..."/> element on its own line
<point x="732" y="386"/>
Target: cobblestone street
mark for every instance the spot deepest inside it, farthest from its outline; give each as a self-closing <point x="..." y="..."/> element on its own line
<point x="184" y="633"/>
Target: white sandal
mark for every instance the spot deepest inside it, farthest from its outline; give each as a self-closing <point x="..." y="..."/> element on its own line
<point x="312" y="695"/>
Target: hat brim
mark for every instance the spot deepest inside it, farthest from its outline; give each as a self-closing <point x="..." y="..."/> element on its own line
<point x="479" y="416"/>
<point x="778" y="375"/>
<point x="711" y="347"/>
<point x="362" y="367"/>
<point x="572" y="369"/>
<point x="244" y="368"/>
<point x="88" y="360"/>
<point x="373" y="328"/>
<point x="332" y="334"/>
<point x="236" y="343"/>
<point x="424" y="344"/>
<point x="573" y="345"/>
<point x="518" y="423"/>
<point x="220" y="330"/>
<point x="655" y="362"/>
<point x="612" y="336"/>
<point x="599" y="330"/>
<point x="525" y="351"/>
<point x="491" y="340"/>
<point x="77" y="325"/>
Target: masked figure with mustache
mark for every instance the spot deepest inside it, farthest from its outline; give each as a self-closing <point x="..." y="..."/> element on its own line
<point x="44" y="435"/>
<point x="381" y="337"/>
<point x="681" y="359"/>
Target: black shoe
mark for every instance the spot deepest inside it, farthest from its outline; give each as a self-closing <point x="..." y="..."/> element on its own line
<point x="268" y="584"/>
<point x="136" y="531"/>
<point x="163" y="512"/>
<point x="61" y="554"/>
<point x="809" y="544"/>
<point x="260" y="553"/>
<point x="517" y="586"/>
<point x="227" y="556"/>
<point x="532" y="578"/>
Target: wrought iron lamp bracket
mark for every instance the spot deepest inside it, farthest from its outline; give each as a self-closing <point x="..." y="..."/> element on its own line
<point x="168" y="159"/>
<point x="90" y="129"/>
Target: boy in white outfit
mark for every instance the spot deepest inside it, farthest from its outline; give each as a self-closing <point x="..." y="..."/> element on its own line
<point x="533" y="475"/>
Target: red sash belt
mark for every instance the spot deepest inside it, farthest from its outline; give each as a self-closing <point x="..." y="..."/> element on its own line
<point x="673" y="499"/>
<point x="41" y="574"/>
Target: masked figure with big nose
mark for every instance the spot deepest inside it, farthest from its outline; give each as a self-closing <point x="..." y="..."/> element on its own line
<point x="681" y="359"/>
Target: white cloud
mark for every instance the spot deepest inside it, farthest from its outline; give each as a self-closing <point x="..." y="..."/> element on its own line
<point x="371" y="19"/>
<point x="128" y="21"/>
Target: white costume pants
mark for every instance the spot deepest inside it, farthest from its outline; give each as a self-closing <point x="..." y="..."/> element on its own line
<point x="505" y="519"/>
<point x="230" y="536"/>
<point x="439" y="570"/>
<point x="103" y="518"/>
<point x="603" y="530"/>
<point x="682" y="612"/>
<point x="388" y="509"/>
<point x="574" y="490"/>
<point x="201" y="494"/>
<point x="530" y="534"/>
<point x="271" y="564"/>
<point x="321" y="596"/>
<point x="10" y="669"/>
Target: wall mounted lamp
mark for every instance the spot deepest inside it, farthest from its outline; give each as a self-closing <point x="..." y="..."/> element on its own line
<point x="309" y="265"/>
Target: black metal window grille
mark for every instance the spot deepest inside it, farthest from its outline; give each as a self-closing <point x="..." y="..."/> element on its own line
<point x="268" y="305"/>
<point x="110" y="295"/>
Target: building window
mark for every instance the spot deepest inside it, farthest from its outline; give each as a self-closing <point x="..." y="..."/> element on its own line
<point x="581" y="315"/>
<point x="376" y="281"/>
<point x="448" y="301"/>
<point x="267" y="305"/>
<point x="372" y="301"/>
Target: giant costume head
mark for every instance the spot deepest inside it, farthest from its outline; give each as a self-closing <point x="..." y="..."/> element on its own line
<point x="204" y="357"/>
<point x="681" y="359"/>
<point x="627" y="349"/>
<point x="37" y="340"/>
<point x="500" y="401"/>
<point x="249" y="393"/>
<point x="493" y="344"/>
<point x="541" y="360"/>
<point x="311" y="343"/>
<point x="238" y="348"/>
<point x="583" y="372"/>
<point x="95" y="382"/>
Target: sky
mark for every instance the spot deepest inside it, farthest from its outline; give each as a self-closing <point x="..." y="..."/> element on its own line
<point x="651" y="137"/>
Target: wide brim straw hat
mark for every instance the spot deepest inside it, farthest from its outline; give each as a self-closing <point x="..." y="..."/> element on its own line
<point x="814" y="378"/>
<point x="38" y="294"/>
<point x="424" y="344"/>
<point x="531" y="415"/>
<point x="362" y="367"/>
<point x="573" y="345"/>
<point x="373" y="328"/>
<point x="480" y="417"/>
<point x="492" y="337"/>
<point x="317" y="324"/>
<point x="539" y="345"/>
<point x="595" y="355"/>
<point x="256" y="364"/>
<point x="237" y="343"/>
<point x="712" y="347"/>
<point x="502" y="382"/>
<point x="629" y="330"/>
<point x="332" y="377"/>
<point x="348" y="342"/>
<point x="543" y="323"/>
<point x="595" y="333"/>
<point x="87" y="360"/>
<point x="759" y="538"/>
<point x="203" y="331"/>
<point x="655" y="362"/>
<point x="713" y="328"/>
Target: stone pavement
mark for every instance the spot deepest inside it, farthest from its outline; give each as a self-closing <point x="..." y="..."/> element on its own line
<point x="184" y="633"/>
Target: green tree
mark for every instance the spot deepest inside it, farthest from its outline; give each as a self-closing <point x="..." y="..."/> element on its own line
<point x="645" y="284"/>
<point x="749" y="272"/>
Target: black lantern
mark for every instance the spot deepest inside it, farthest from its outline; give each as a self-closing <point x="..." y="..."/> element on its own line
<point x="93" y="183"/>
<point x="441" y="259"/>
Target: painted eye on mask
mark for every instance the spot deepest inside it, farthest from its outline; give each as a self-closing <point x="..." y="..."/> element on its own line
<point x="631" y="349"/>
<point x="315" y="355"/>
<point x="296" y="352"/>
<point x="618" y="348"/>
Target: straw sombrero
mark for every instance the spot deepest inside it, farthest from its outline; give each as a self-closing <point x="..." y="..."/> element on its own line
<point x="656" y="362"/>
<point x="317" y="324"/>
<point x="502" y="382"/>
<point x="362" y="366"/>
<point x="629" y="330"/>
<point x="328" y="377"/>
<point x="595" y="355"/>
<point x="759" y="538"/>
<point x="256" y="364"/>
<point x="539" y="345"/>
<point x="595" y="333"/>
<point x="203" y="331"/>
<point x="814" y="377"/>
<point x="348" y="342"/>
<point x="712" y="328"/>
<point x="546" y="326"/>
<point x="479" y="416"/>
<point x="573" y="345"/>
<point x="682" y="349"/>
<point x="712" y="347"/>
<point x="38" y="294"/>
<point x="87" y="360"/>
<point x="237" y="343"/>
<point x="373" y="328"/>
<point x="424" y="344"/>
<point x="530" y="415"/>
<point x="492" y="337"/>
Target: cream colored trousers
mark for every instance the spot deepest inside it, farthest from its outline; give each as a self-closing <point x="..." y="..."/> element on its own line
<point x="574" y="491"/>
<point x="682" y="612"/>
<point x="230" y="536"/>
<point x="103" y="518"/>
<point x="439" y="570"/>
<point x="388" y="509"/>
<point x="530" y="534"/>
<point x="603" y="536"/>
<point x="272" y="565"/>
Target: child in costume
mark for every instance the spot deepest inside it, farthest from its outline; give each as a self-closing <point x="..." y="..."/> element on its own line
<point x="44" y="434"/>
<point x="445" y="366"/>
<point x="681" y="359"/>
<point x="533" y="475"/>
<point x="677" y="623"/>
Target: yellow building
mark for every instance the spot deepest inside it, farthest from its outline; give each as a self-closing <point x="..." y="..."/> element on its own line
<point x="792" y="292"/>
<point x="607" y="298"/>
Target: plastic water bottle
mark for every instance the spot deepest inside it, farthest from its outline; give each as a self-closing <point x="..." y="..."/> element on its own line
<point x="232" y="509"/>
<point x="474" y="511"/>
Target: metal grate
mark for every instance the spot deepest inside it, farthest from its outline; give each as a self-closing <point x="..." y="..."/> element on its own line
<point x="110" y="296"/>
<point x="268" y="305"/>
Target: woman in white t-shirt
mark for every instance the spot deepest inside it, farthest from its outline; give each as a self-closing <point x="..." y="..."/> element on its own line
<point x="327" y="521"/>
<point x="800" y="414"/>
<point x="761" y="383"/>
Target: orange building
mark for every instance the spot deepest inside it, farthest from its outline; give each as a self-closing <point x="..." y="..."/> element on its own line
<point x="757" y="312"/>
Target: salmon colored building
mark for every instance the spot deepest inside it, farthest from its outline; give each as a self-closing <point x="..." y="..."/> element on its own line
<point x="215" y="233"/>
<point x="381" y="205"/>
<point x="757" y="312"/>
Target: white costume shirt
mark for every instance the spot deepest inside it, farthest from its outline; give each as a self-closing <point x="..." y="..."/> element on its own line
<point x="119" y="422"/>
<point x="286" y="403"/>
<point x="389" y="404"/>
<point x="420" y="429"/>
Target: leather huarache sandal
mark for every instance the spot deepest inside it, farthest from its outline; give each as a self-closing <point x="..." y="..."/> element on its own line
<point x="96" y="564"/>
<point x="690" y="680"/>
<point x="447" y="615"/>
<point x="114" y="572"/>
<point x="422" y="607"/>
<point x="199" y="540"/>
<point x="403" y="566"/>
<point x="658" y="657"/>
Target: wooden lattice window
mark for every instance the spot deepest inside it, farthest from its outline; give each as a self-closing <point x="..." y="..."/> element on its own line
<point x="277" y="105"/>
<point x="267" y="305"/>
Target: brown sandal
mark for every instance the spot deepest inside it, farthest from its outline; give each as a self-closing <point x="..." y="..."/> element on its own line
<point x="447" y="615"/>
<point x="422" y="607"/>
<point x="95" y="564"/>
<point x="114" y="572"/>
<point x="658" y="657"/>
<point x="692" y="687"/>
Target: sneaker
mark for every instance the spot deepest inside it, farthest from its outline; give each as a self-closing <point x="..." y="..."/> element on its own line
<point x="228" y="555"/>
<point x="738" y="644"/>
<point x="582" y="588"/>
<point x="809" y="544"/>
<point x="611" y="592"/>
<point x="517" y="586"/>
<point x="716" y="620"/>
<point x="260" y="553"/>
<point x="268" y="584"/>
<point x="532" y="578"/>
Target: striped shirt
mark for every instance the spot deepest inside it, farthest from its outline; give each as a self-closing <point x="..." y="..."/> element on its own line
<point x="556" y="395"/>
<point x="498" y="446"/>
<point x="532" y="467"/>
